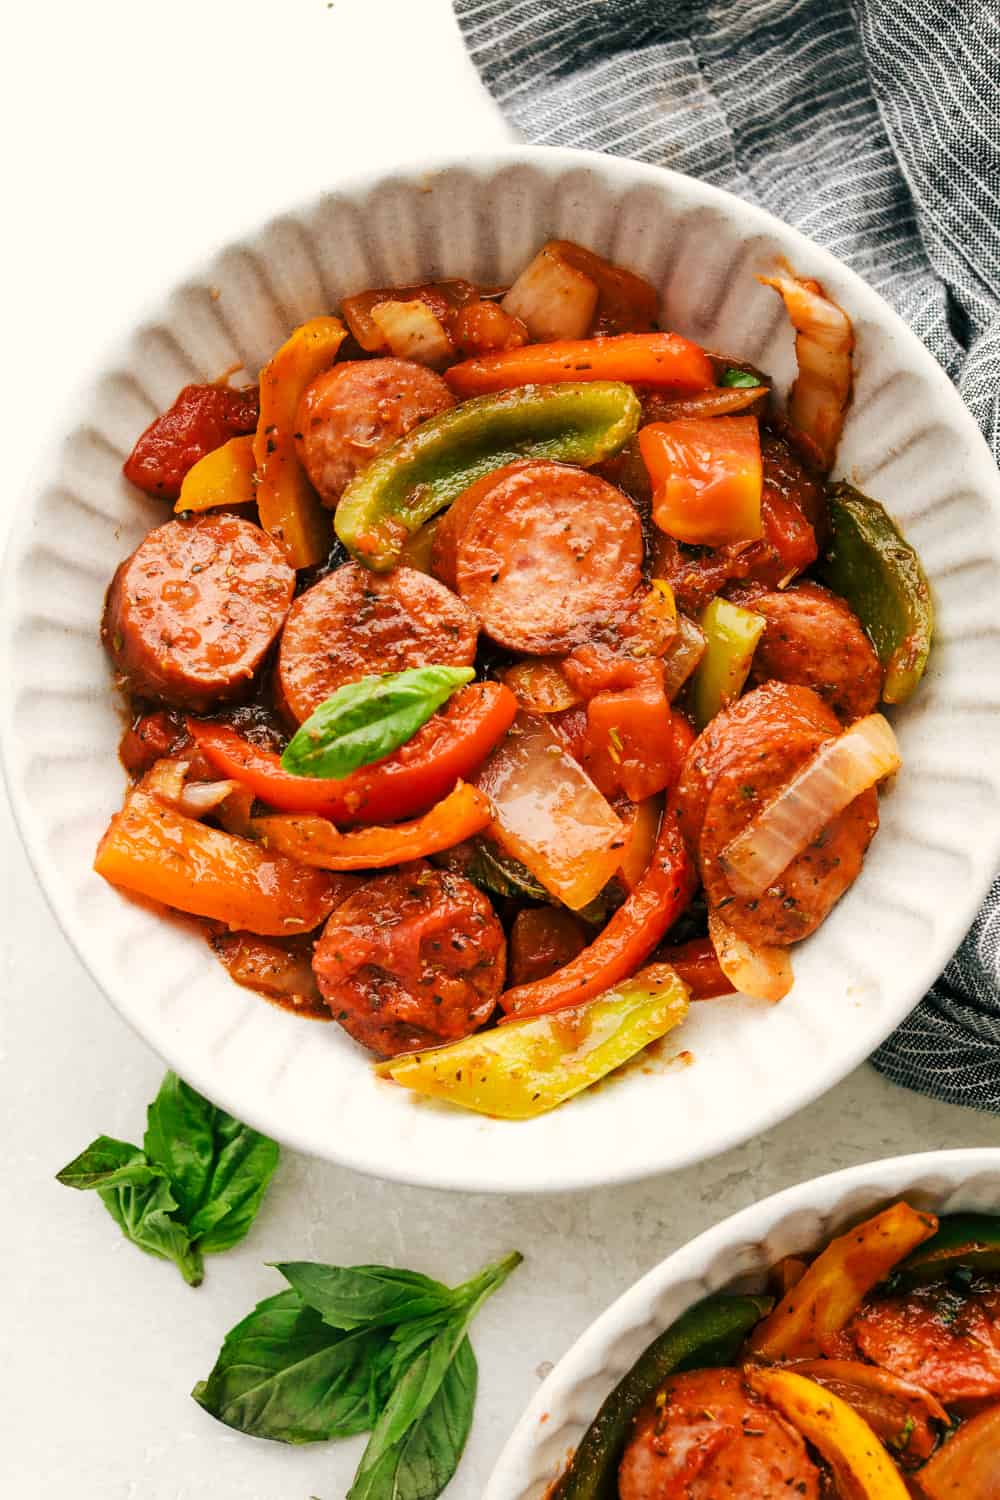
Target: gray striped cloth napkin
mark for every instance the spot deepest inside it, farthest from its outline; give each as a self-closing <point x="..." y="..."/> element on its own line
<point x="872" y="126"/>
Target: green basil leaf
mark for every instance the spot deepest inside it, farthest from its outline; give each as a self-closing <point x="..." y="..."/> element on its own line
<point x="143" y="1213"/>
<point x="384" y="1466"/>
<point x="282" y="1373"/>
<point x="180" y="1139"/>
<point x="365" y="721"/>
<point x="240" y="1177"/>
<point x="424" y="1461"/>
<point x="219" y="1169"/>
<point x="107" y="1163"/>
<point x="741" y="379"/>
<point x="365" y="1296"/>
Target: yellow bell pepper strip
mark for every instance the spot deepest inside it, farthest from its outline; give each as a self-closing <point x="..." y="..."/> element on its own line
<point x="707" y="478"/>
<point x="731" y="635"/>
<point x="658" y="359"/>
<point x="967" y="1466"/>
<point x="870" y="563"/>
<point x="709" y="1333"/>
<point x="401" y="490"/>
<point x="289" y="507"/>
<point x="154" y="851"/>
<point x="861" y="1466"/>
<point x="526" y="1068"/>
<point x="317" y="841"/>
<point x="832" y="1289"/>
<point x="223" y="477"/>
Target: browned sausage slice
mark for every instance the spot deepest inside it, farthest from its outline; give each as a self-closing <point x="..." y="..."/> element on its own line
<point x="355" y="623"/>
<point x="352" y="413"/>
<point x="413" y="959"/>
<point x="951" y="1347"/>
<point x="706" y="1438"/>
<point x="547" y="550"/>
<point x="753" y="772"/>
<point x="815" y="639"/>
<point x="775" y="719"/>
<point x="191" y="614"/>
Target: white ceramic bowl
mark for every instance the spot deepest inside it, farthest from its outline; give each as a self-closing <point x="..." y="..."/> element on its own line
<point x="739" y="1250"/>
<point x="908" y="438"/>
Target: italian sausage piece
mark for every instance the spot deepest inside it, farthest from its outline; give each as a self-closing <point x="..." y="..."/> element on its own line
<point x="948" y="1345"/>
<point x="413" y="959"/>
<point x="352" y="413"/>
<point x="708" y="1439"/>
<point x="549" y="550"/>
<point x="355" y="623"/>
<point x="190" y="616"/>
<point x="201" y="419"/>
<point x="774" y="720"/>
<point x="815" y="639"/>
<point x="750" y="769"/>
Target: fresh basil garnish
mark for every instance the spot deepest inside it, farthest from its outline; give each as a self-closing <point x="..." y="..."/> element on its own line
<point x="196" y="1187"/>
<point x="367" y="720"/>
<point x="742" y="379"/>
<point x="351" y="1349"/>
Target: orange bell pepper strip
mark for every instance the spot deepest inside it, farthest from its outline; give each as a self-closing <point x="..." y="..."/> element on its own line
<point x="698" y="966"/>
<point x="627" y="940"/>
<point x="152" y="850"/>
<point x="223" y="477"/>
<point x="707" y="478"/>
<point x="316" y="841"/>
<point x="861" y="1466"/>
<point x="289" y="507"/>
<point x="451" y="745"/>
<point x="966" y="1466"/>
<point x="832" y="1289"/>
<point x="660" y="359"/>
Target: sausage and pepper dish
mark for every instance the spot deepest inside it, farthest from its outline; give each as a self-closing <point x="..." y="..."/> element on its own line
<point x="871" y="1372"/>
<point x="507" y="675"/>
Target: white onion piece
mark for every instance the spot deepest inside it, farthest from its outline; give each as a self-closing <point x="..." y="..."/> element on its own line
<point x="165" y="780"/>
<point x="414" y="331"/>
<point x="683" y="656"/>
<point x="763" y="973"/>
<point x="552" y="298"/>
<point x="201" y="797"/>
<point x="840" y="770"/>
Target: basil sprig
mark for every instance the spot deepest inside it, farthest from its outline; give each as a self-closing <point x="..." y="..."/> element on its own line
<point x="741" y="379"/>
<point x="367" y="720"/>
<point x="349" y="1349"/>
<point x="193" y="1190"/>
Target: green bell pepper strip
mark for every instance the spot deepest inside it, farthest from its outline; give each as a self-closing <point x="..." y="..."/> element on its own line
<point x="963" y="1241"/>
<point x="871" y="564"/>
<point x="524" y="1068"/>
<point x="731" y="636"/>
<point x="710" y="1333"/>
<point x="576" y="423"/>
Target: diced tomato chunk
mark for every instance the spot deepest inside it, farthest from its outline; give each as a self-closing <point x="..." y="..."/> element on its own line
<point x="201" y="419"/>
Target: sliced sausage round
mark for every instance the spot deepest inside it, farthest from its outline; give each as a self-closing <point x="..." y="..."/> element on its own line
<point x="191" y="614"/>
<point x="749" y="771"/>
<point x="547" y="551"/>
<point x="413" y="959"/>
<point x="707" y="1438"/>
<point x="940" y="1339"/>
<point x="355" y="623"/>
<point x="813" y="638"/>
<point x="352" y="413"/>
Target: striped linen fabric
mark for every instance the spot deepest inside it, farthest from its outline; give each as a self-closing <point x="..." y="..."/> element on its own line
<point x="874" y="127"/>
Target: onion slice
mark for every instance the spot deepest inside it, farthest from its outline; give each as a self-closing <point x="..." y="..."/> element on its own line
<point x="552" y="298"/>
<point x="412" y="330"/>
<point x="840" y="770"/>
<point x="763" y="973"/>
<point x="166" y="780"/>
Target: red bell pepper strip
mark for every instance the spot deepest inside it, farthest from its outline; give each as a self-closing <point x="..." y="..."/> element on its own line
<point x="628" y="939"/>
<point x="660" y="359"/>
<point x="446" y="749"/>
<point x="697" y="964"/>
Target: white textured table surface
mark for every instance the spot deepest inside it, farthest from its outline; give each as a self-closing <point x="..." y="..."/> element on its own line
<point x="145" y="136"/>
